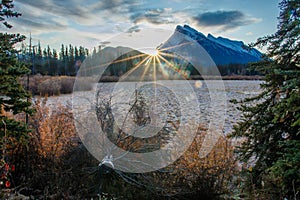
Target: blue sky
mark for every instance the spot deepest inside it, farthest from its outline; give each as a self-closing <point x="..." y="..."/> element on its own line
<point x="90" y="22"/>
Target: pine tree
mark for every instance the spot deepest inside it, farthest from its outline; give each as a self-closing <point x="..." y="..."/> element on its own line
<point x="76" y="53"/>
<point x="270" y="125"/>
<point x="71" y="63"/>
<point x="39" y="51"/>
<point x="66" y="61"/>
<point x="81" y="53"/>
<point x="12" y="94"/>
<point x="6" y="8"/>
<point x="62" y="52"/>
<point x="55" y="63"/>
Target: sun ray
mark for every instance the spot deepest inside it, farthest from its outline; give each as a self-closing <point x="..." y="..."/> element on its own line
<point x="158" y="52"/>
<point x="154" y="69"/>
<point x="166" y="61"/>
<point x="175" y="46"/>
<point x="146" y="69"/>
<point x="129" y="58"/>
<point x="114" y="62"/>
<point x="172" y="66"/>
<point x="155" y="86"/>
<point x="164" y="73"/>
<point x="136" y="66"/>
<point x="169" y="55"/>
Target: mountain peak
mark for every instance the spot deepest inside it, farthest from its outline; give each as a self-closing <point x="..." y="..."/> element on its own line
<point x="222" y="50"/>
<point x="187" y="30"/>
<point x="210" y="36"/>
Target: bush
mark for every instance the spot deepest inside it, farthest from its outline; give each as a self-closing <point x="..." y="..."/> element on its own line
<point x="52" y="165"/>
<point x="67" y="84"/>
<point x="55" y="165"/>
<point x="49" y="87"/>
<point x="34" y="82"/>
<point x="55" y="85"/>
<point x="84" y="84"/>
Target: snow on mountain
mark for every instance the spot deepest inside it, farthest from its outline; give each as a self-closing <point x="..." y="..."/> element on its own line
<point x="222" y="50"/>
<point x="234" y="45"/>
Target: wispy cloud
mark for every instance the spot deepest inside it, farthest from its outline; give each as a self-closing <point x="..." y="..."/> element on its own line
<point x="132" y="29"/>
<point x="71" y="8"/>
<point x="154" y="16"/>
<point x="115" y="6"/>
<point x="225" y="19"/>
<point x="43" y="14"/>
<point x="82" y="12"/>
<point x="91" y="20"/>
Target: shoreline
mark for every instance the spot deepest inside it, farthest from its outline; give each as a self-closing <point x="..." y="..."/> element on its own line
<point x="232" y="77"/>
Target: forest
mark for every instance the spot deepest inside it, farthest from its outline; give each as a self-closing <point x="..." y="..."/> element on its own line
<point x="67" y="61"/>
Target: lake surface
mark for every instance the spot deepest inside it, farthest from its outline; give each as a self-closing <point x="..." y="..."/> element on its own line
<point x="174" y="93"/>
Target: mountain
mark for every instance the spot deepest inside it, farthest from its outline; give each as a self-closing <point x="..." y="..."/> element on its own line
<point x="223" y="51"/>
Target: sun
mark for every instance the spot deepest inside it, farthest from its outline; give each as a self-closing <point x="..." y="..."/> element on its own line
<point x="151" y="51"/>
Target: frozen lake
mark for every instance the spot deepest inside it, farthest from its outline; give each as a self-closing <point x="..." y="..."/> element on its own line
<point x="233" y="89"/>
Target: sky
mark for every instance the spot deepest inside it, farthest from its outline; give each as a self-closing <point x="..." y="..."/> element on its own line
<point x="91" y="22"/>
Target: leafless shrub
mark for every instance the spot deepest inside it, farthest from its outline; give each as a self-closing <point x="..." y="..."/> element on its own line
<point x="49" y="87"/>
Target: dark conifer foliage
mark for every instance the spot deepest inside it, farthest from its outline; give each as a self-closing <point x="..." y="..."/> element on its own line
<point x="12" y="95"/>
<point x="270" y="125"/>
<point x="52" y="62"/>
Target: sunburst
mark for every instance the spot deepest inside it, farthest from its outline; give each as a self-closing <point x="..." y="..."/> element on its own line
<point x="151" y="59"/>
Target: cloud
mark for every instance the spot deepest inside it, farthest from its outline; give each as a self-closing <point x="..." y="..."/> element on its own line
<point x="88" y="12"/>
<point x="70" y="8"/>
<point x="96" y="13"/>
<point x="41" y="24"/>
<point x="133" y="29"/>
<point x="154" y="16"/>
<point x="37" y="21"/>
<point x="115" y="6"/>
<point x="226" y="19"/>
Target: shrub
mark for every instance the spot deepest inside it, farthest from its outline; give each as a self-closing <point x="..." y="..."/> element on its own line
<point x="67" y="84"/>
<point x="84" y="84"/>
<point x="34" y="82"/>
<point x="52" y="165"/>
<point x="49" y="87"/>
<point x="55" y="165"/>
<point x="55" y="85"/>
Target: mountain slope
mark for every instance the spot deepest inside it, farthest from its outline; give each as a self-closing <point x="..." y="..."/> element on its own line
<point x="222" y="50"/>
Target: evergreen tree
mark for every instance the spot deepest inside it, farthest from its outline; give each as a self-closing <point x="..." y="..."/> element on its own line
<point x="49" y="53"/>
<point x="76" y="53"/>
<point x="81" y="53"/>
<point x="62" y="52"/>
<point x="6" y="8"/>
<point x="39" y="51"/>
<point x="66" y="61"/>
<point x="71" y="63"/>
<point x="38" y="60"/>
<point x="48" y="59"/>
<point x="86" y="52"/>
<point x="55" y="63"/>
<point x="12" y="94"/>
<point x="270" y="125"/>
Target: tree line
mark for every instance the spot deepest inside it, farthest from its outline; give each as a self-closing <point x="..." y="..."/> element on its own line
<point x="48" y="61"/>
<point x="68" y="59"/>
